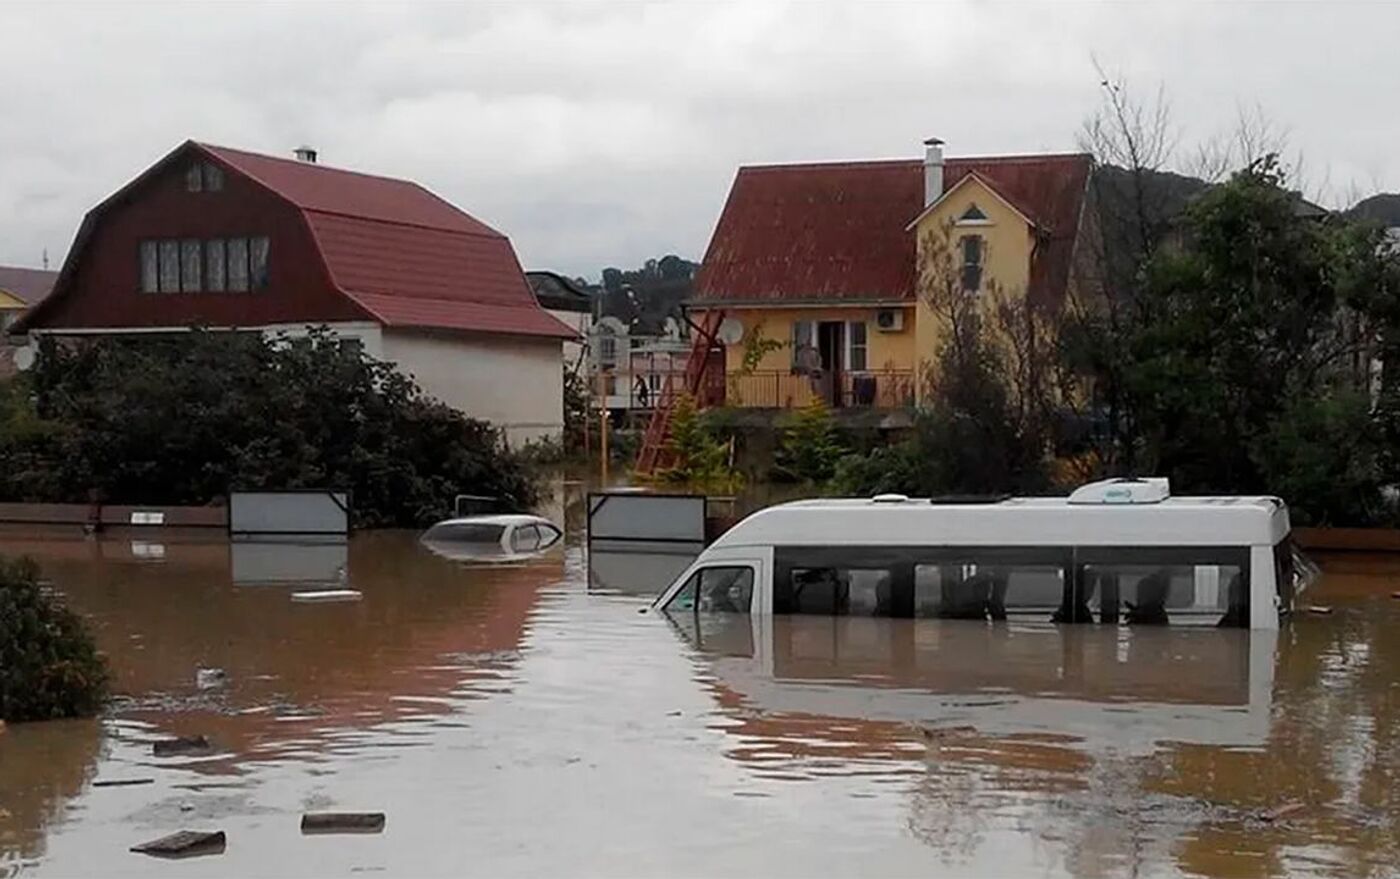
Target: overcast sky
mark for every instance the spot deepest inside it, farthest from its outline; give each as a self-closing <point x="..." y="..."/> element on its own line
<point x="604" y="133"/>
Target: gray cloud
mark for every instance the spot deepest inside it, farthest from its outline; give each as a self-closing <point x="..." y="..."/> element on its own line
<point x="604" y="133"/>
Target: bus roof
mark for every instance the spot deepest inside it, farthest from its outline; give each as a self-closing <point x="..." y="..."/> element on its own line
<point x="899" y="521"/>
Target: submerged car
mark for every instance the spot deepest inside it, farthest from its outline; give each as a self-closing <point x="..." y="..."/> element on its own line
<point x="504" y="537"/>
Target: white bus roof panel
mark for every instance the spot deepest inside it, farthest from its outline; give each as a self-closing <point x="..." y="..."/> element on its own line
<point x="1175" y="521"/>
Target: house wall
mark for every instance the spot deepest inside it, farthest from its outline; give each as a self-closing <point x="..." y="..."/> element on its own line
<point x="884" y="351"/>
<point x="1008" y="242"/>
<point x="515" y="382"/>
<point x="104" y="287"/>
<point x="580" y="322"/>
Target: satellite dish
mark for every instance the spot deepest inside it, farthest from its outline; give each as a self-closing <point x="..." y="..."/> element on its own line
<point x="24" y="357"/>
<point x="731" y="331"/>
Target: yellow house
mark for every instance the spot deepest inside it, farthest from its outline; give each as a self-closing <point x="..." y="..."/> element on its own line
<point x="19" y="289"/>
<point x="815" y="269"/>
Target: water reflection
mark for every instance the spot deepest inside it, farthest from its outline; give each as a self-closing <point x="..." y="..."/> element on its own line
<point x="481" y="706"/>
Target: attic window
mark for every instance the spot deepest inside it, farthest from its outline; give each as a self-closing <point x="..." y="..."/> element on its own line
<point x="973" y="216"/>
<point x="204" y="177"/>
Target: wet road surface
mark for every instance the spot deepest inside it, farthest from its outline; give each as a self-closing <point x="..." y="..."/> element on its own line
<point x="511" y="722"/>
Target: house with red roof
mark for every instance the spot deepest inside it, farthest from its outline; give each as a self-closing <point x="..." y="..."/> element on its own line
<point x="227" y="239"/>
<point x="20" y="289"/>
<point x="815" y="271"/>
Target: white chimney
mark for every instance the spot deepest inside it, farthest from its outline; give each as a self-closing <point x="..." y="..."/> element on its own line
<point x="933" y="170"/>
<point x="305" y="154"/>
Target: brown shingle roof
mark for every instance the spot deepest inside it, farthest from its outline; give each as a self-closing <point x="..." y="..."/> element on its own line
<point x="27" y="285"/>
<point x="836" y="231"/>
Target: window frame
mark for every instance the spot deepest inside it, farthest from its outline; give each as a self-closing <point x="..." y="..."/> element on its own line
<point x="971" y="271"/>
<point x="852" y="347"/>
<point x="696" y="577"/>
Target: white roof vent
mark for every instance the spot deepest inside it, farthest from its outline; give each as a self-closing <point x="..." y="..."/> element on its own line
<point x="890" y="499"/>
<point x="1152" y="490"/>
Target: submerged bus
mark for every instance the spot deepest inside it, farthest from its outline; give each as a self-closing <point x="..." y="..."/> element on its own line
<point x="1120" y="551"/>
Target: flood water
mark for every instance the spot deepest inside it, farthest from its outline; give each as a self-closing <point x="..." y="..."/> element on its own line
<point x="509" y="721"/>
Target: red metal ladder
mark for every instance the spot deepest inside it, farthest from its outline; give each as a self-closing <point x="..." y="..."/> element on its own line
<point x="653" y="456"/>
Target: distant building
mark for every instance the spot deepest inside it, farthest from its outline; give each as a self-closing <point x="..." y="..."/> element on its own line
<point x="572" y="303"/>
<point x="632" y="363"/>
<point x="20" y="289"/>
<point x="234" y="240"/>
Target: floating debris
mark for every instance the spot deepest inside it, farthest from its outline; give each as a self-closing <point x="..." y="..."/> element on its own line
<point x="326" y="595"/>
<point x="342" y="822"/>
<point x="122" y="782"/>
<point x="209" y="678"/>
<point x="184" y="844"/>
<point x="1320" y="609"/>
<point x="1278" y="814"/>
<point x="198" y="745"/>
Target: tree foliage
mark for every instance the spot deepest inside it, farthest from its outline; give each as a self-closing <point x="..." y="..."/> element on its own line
<point x="185" y="419"/>
<point x="49" y="664"/>
<point x="700" y="460"/>
<point x="810" y="446"/>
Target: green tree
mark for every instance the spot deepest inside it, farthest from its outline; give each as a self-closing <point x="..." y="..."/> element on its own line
<point x="810" y="447"/>
<point x="49" y="664"/>
<point x="187" y="418"/>
<point x="699" y="459"/>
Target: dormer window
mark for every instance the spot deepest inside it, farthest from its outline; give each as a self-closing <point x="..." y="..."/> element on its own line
<point x="204" y="177"/>
<point x="973" y="216"/>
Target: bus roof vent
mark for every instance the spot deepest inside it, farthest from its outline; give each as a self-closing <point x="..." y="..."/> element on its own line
<point x="1152" y="490"/>
<point x="890" y="499"/>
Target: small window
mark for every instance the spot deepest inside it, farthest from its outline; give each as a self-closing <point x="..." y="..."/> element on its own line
<point x="971" y="246"/>
<point x="194" y="178"/>
<point x="215" y="263"/>
<point x="237" y="264"/>
<point x="969" y="588"/>
<point x="213" y="177"/>
<point x="855" y="347"/>
<point x="169" y="265"/>
<point x="549" y="535"/>
<point x="607" y="349"/>
<point x="716" y="590"/>
<point x="257" y="258"/>
<point x="191" y="273"/>
<point x="867" y="592"/>
<point x="654" y="381"/>
<point x="525" y="538"/>
<point x="973" y="214"/>
<point x="150" y="267"/>
<point x="805" y="357"/>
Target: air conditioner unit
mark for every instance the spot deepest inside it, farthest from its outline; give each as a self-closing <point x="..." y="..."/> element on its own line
<point x="889" y="320"/>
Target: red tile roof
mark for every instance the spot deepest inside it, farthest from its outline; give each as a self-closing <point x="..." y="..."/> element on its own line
<point x="27" y="285"/>
<point x="836" y="231"/>
<point x="418" y="259"/>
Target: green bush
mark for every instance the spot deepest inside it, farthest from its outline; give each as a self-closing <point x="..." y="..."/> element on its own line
<point x="49" y="665"/>
<point x="186" y="418"/>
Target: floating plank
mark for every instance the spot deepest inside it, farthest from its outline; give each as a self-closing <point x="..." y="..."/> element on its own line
<point x="184" y="844"/>
<point x="184" y="745"/>
<point x="1319" y="609"/>
<point x="342" y="822"/>
<point x="326" y="595"/>
<point x="122" y="782"/>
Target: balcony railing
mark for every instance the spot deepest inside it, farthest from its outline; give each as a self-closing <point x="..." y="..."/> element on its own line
<point x="781" y="389"/>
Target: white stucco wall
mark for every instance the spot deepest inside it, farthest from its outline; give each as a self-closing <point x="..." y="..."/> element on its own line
<point x="580" y="322"/>
<point x="515" y="382"/>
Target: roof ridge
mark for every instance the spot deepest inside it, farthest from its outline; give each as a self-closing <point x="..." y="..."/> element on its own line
<point x="1006" y="158"/>
<point x="363" y="218"/>
<point x="314" y="166"/>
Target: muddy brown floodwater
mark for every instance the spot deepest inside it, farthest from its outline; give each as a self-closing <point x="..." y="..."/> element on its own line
<point x="511" y="722"/>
